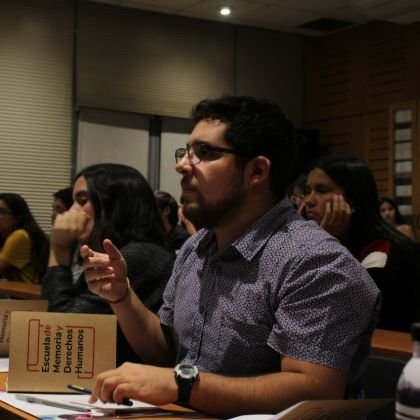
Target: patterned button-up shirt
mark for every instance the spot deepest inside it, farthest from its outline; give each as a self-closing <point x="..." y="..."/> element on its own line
<point x="284" y="288"/>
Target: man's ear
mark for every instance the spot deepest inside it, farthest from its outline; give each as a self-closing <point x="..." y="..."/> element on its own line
<point x="258" y="171"/>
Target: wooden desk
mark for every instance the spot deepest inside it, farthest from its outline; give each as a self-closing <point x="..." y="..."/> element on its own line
<point x="7" y="412"/>
<point x="18" y="289"/>
<point x="396" y="345"/>
<point x="384" y="343"/>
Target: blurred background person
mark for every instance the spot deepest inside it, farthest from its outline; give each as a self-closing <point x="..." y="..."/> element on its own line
<point x="297" y="191"/>
<point x="342" y="198"/>
<point x="63" y="200"/>
<point x="185" y="223"/>
<point x="110" y="201"/>
<point x="390" y="212"/>
<point x="23" y="244"/>
<point x="176" y="235"/>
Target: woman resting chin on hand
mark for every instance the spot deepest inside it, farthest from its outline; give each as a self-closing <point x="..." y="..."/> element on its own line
<point x="342" y="198"/>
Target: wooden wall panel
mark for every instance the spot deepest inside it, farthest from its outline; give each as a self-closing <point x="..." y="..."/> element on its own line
<point x="378" y="153"/>
<point x="385" y="65"/>
<point x="413" y="40"/>
<point x="415" y="199"/>
<point x="343" y="135"/>
<point x="332" y="79"/>
<point x="338" y="136"/>
<point x="361" y="70"/>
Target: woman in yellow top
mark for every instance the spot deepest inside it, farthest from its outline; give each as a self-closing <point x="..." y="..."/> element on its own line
<point x="23" y="245"/>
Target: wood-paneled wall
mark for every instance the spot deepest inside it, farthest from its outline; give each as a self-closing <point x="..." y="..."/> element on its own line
<point x="351" y="80"/>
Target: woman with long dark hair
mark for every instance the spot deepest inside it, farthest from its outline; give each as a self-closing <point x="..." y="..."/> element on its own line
<point x="23" y="244"/>
<point x="111" y="201"/>
<point x="390" y="212"/>
<point x="341" y="196"/>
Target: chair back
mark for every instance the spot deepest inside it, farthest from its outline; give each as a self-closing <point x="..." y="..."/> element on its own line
<point x="380" y="381"/>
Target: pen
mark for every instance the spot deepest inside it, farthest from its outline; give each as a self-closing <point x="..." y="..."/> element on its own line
<point x="83" y="390"/>
<point x="36" y="400"/>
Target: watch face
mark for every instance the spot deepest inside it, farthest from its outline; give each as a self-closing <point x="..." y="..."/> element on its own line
<point x="187" y="371"/>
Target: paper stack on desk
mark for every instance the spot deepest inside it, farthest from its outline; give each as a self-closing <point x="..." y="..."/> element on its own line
<point x="97" y="410"/>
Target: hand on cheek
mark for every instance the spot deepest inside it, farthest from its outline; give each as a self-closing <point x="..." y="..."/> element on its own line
<point x="337" y="217"/>
<point x="302" y="209"/>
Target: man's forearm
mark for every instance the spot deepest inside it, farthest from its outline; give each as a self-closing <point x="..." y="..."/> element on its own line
<point x="226" y="397"/>
<point x="143" y="331"/>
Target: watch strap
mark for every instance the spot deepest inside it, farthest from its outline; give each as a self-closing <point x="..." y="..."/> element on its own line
<point x="185" y="381"/>
<point x="184" y="391"/>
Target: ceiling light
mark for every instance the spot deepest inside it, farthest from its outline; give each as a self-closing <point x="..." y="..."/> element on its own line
<point x="225" y="11"/>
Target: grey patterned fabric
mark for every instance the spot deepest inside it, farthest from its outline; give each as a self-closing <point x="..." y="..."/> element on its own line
<point x="285" y="288"/>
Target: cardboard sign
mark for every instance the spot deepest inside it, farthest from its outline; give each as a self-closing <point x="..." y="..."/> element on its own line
<point x="6" y="308"/>
<point x="49" y="351"/>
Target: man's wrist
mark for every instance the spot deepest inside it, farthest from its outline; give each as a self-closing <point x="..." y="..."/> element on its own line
<point x="123" y="297"/>
<point x="186" y="377"/>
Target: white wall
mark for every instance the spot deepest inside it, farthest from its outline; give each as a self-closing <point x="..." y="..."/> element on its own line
<point x="114" y="137"/>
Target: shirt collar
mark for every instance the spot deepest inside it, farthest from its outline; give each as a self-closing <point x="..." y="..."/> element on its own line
<point x="250" y="242"/>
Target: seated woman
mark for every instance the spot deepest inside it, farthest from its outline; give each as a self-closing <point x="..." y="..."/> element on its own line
<point x="390" y="212"/>
<point x="110" y="201"/>
<point x="341" y="196"/>
<point x="23" y="244"/>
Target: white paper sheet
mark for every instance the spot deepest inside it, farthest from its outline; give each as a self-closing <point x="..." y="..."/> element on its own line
<point x="45" y="411"/>
<point x="4" y="364"/>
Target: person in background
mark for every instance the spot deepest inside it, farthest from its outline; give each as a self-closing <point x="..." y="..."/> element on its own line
<point x="110" y="201"/>
<point x="168" y="207"/>
<point x="390" y="212"/>
<point x="63" y="200"/>
<point x="23" y="244"/>
<point x="341" y="197"/>
<point x="185" y="223"/>
<point x="267" y="308"/>
<point x="297" y="191"/>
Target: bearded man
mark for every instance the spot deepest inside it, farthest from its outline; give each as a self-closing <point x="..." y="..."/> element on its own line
<point x="263" y="309"/>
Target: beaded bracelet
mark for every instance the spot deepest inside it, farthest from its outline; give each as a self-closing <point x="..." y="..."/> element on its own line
<point x="113" y="302"/>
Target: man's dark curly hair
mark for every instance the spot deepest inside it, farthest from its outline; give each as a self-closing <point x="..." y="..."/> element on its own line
<point x="255" y="127"/>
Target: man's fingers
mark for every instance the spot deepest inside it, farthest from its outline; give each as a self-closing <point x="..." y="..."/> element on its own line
<point x="112" y="250"/>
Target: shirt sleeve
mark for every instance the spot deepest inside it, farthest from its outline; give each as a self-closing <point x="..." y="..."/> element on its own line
<point x="325" y="310"/>
<point x="17" y="249"/>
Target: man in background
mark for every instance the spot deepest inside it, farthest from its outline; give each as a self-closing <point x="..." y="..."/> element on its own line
<point x="63" y="200"/>
<point x="176" y="235"/>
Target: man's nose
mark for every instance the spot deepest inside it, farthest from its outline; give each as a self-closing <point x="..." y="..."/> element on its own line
<point x="183" y="165"/>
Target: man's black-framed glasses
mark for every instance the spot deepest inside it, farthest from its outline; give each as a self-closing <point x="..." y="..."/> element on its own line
<point x="202" y="151"/>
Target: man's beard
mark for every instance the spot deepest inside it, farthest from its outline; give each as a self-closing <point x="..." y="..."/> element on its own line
<point x="212" y="215"/>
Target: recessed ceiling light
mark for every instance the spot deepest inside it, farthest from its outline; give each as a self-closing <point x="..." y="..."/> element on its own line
<point x="225" y="11"/>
